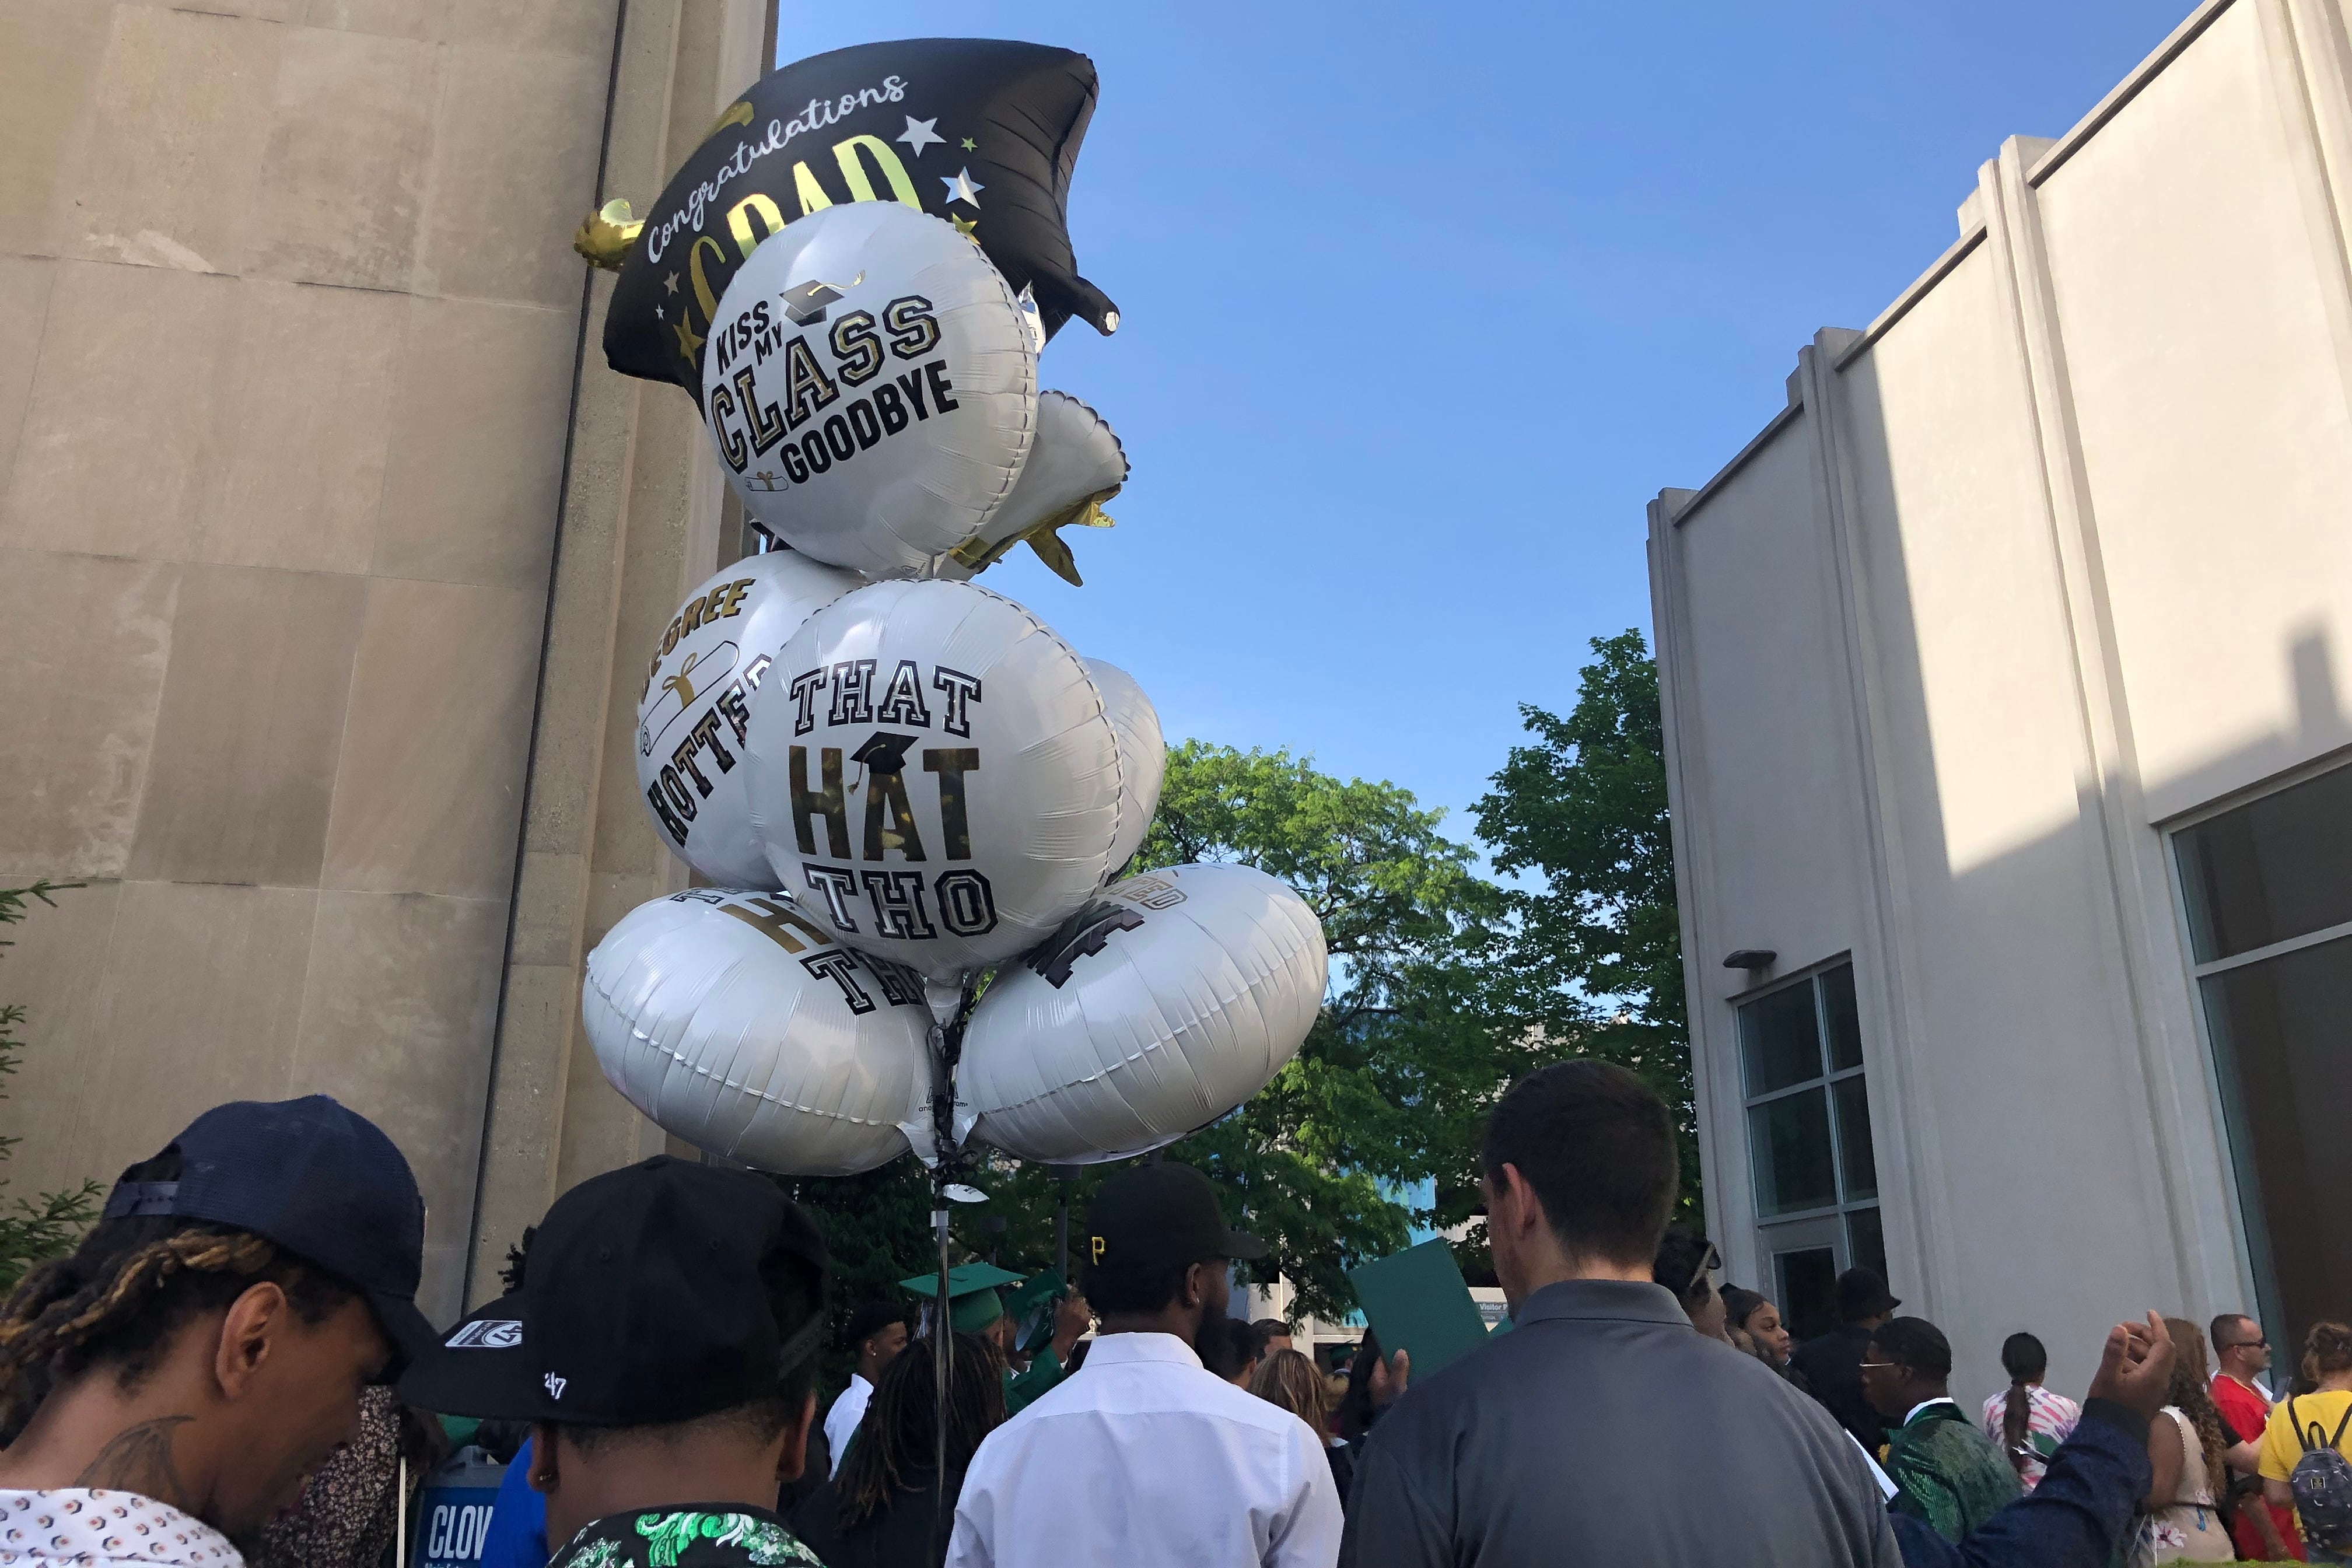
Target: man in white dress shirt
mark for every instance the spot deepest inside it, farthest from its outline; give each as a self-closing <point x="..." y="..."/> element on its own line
<point x="877" y="1332"/>
<point x="1145" y="1458"/>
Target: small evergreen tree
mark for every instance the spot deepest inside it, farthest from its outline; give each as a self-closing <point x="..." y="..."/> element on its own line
<point x="34" y="1229"/>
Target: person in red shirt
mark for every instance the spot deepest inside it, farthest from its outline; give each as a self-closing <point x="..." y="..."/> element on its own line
<point x="2264" y="1532"/>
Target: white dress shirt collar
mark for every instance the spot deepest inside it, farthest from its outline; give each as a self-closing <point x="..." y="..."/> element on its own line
<point x="1117" y="1349"/>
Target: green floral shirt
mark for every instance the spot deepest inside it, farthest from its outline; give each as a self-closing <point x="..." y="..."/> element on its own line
<point x="1950" y="1474"/>
<point x="705" y="1536"/>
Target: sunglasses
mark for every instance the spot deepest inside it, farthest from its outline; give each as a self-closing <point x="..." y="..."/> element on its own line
<point x="1713" y="1261"/>
<point x="2261" y="1344"/>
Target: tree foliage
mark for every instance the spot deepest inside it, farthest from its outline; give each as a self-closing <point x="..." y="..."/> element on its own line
<point x="1592" y="948"/>
<point x="1445" y="987"/>
<point x="34" y="1229"/>
<point x="1389" y="1085"/>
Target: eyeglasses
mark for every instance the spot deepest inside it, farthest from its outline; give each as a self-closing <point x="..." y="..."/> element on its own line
<point x="1879" y="1366"/>
<point x="2261" y="1344"/>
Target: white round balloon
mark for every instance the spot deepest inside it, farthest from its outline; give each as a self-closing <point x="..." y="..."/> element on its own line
<point x="1167" y="1001"/>
<point x="694" y="714"/>
<point x="1142" y="756"/>
<point x="934" y="775"/>
<point x="1075" y="463"/>
<point x="736" y="1023"/>
<point x="871" y="386"/>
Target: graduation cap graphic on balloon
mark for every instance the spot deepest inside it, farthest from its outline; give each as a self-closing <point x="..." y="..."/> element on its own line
<point x="884" y="752"/>
<point x="983" y="132"/>
<point x="805" y="303"/>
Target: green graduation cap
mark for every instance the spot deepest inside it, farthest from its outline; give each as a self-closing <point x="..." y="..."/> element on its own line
<point x="972" y="1300"/>
<point x="1040" y="1289"/>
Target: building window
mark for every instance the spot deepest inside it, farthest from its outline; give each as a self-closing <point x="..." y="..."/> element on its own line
<point x="1816" y="1177"/>
<point x="2267" y="890"/>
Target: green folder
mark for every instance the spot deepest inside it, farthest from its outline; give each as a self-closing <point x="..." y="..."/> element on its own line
<point x="1417" y="1302"/>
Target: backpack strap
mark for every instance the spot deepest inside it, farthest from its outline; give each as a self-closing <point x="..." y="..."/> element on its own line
<point x="2337" y="1441"/>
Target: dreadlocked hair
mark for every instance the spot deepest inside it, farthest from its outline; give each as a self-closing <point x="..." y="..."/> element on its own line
<point x="901" y="1432"/>
<point x="2191" y="1394"/>
<point x="117" y="1300"/>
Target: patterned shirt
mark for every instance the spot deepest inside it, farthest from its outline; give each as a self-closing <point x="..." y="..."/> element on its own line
<point x="700" y="1535"/>
<point x="77" y="1524"/>
<point x="2049" y="1421"/>
<point x="1948" y="1473"/>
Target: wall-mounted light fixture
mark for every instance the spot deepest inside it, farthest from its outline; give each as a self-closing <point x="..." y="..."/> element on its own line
<point x="1751" y="958"/>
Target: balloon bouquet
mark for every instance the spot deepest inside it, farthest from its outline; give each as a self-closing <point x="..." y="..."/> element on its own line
<point x="917" y="803"/>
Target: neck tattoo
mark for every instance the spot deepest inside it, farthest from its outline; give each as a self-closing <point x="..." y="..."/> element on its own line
<point x="139" y="1459"/>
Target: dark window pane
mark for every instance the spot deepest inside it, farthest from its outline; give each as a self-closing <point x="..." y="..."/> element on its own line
<point x="1865" y="1241"/>
<point x="1807" y="1286"/>
<point x="2279" y="1029"/>
<point x="1781" y="1039"/>
<point x="1845" y="1022"/>
<point x="2275" y="869"/>
<point x="1790" y="1137"/>
<point x="1857" y="1167"/>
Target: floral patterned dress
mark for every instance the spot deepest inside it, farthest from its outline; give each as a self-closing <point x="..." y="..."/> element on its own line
<point x="700" y="1535"/>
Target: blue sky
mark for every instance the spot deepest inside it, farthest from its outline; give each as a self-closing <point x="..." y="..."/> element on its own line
<point x="1422" y="304"/>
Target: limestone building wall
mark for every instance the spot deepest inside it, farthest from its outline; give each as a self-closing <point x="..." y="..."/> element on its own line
<point x="2048" y="560"/>
<point x="297" y="450"/>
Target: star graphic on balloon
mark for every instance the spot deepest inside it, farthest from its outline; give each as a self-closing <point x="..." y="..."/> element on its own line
<point x="921" y="133"/>
<point x="964" y="187"/>
<point x="964" y="225"/>
<point x="969" y="145"/>
<point x="670" y="283"/>
<point x="657" y="314"/>
<point x="687" y="342"/>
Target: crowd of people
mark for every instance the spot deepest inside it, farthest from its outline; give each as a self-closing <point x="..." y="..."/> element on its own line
<point x="231" y="1366"/>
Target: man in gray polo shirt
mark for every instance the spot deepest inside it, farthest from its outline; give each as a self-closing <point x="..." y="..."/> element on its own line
<point x="1603" y="1429"/>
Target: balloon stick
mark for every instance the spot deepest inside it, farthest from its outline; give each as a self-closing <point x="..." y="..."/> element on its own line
<point x="945" y="1168"/>
<point x="1062" y="1176"/>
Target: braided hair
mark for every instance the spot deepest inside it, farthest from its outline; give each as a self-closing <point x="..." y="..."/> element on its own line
<point x="2192" y="1395"/>
<point x="2026" y="1361"/>
<point x="901" y="1431"/>
<point x="117" y="1300"/>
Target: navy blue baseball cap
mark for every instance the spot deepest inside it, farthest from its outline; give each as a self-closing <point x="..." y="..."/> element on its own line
<point x="318" y="1179"/>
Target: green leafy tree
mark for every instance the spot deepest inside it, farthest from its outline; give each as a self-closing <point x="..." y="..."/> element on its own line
<point x="34" y="1229"/>
<point x="1388" y="1088"/>
<point x="1391" y="1085"/>
<point x="1445" y="988"/>
<point x="1593" y="947"/>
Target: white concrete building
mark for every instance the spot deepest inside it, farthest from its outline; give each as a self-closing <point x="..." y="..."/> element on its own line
<point x="2005" y="682"/>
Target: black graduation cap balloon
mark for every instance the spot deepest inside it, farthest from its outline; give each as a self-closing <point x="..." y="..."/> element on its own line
<point x="983" y="132"/>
